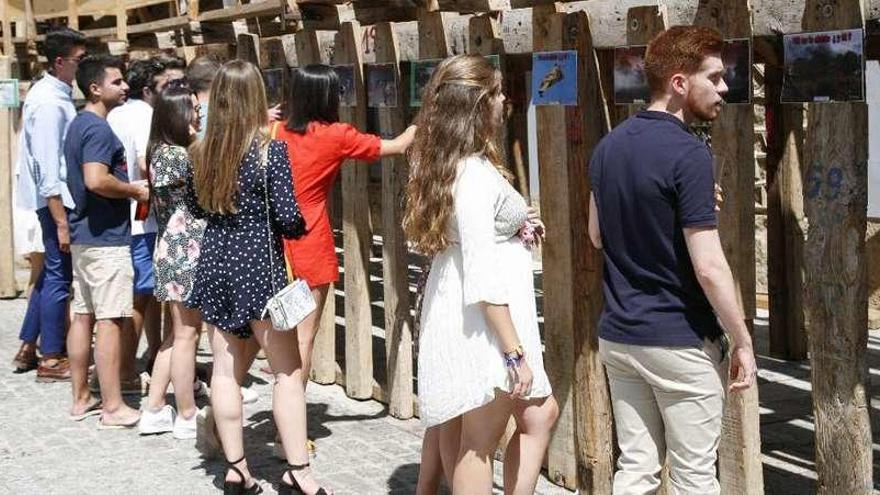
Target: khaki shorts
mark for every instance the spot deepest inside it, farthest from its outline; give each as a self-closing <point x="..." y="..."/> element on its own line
<point x="102" y="281"/>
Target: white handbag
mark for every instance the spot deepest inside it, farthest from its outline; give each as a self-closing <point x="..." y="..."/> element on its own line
<point x="292" y="304"/>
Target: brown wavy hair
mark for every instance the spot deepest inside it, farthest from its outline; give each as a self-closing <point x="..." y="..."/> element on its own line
<point x="237" y="116"/>
<point x="456" y="121"/>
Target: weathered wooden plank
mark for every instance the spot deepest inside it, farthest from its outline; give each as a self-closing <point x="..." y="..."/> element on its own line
<point x="7" y="251"/>
<point x="272" y="54"/>
<point x="356" y="232"/>
<point x="308" y="51"/>
<point x="395" y="270"/>
<point x="786" y="225"/>
<point x="548" y="26"/>
<point x="73" y="14"/>
<point x="255" y="9"/>
<point x="172" y="23"/>
<point x="586" y="124"/>
<point x="248" y="48"/>
<point x="433" y="42"/>
<point x="8" y="48"/>
<point x="740" y="448"/>
<point x="325" y="16"/>
<point x="835" y="274"/>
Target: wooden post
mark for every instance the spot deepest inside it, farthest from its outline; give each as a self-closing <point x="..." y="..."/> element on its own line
<point x="357" y="237"/>
<point x="324" y="352"/>
<point x="785" y="218"/>
<point x="432" y="35"/>
<point x="248" y="48"/>
<point x="7" y="164"/>
<point x="835" y="274"/>
<point x="8" y="48"/>
<point x="548" y="24"/>
<point x="73" y="14"/>
<point x="398" y="322"/>
<point x="586" y="125"/>
<point x="121" y="21"/>
<point x="740" y="447"/>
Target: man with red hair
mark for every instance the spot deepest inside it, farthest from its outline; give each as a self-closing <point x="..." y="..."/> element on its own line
<point x="668" y="289"/>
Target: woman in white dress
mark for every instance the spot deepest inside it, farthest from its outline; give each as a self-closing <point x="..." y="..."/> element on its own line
<point x="479" y="348"/>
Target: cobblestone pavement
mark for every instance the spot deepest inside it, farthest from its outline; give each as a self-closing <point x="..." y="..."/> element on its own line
<point x="361" y="450"/>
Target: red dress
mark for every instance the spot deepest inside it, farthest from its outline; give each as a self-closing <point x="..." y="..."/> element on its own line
<point x="315" y="160"/>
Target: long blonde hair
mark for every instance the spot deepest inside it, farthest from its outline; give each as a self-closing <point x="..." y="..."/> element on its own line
<point x="456" y="121"/>
<point x="237" y="116"/>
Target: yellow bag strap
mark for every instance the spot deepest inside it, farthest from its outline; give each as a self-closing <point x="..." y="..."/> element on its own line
<point x="274" y="132"/>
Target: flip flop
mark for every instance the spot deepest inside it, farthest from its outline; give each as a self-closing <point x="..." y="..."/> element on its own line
<point x="93" y="410"/>
<point x="123" y="426"/>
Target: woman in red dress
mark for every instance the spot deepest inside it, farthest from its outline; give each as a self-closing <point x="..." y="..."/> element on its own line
<point x="318" y="144"/>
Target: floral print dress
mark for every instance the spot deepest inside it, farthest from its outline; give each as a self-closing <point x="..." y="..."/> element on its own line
<point x="179" y="238"/>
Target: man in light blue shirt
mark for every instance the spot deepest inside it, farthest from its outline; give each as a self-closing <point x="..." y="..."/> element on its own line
<point x="48" y="110"/>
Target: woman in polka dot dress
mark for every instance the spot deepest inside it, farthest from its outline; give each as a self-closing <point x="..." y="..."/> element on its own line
<point x="242" y="184"/>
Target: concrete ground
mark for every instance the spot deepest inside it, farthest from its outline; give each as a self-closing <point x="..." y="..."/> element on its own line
<point x="361" y="449"/>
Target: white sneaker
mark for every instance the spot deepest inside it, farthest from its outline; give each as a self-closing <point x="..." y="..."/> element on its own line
<point x="248" y="395"/>
<point x="185" y="429"/>
<point x="160" y="421"/>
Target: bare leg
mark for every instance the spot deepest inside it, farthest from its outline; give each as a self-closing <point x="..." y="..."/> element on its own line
<point x="525" y="451"/>
<point x="187" y="323"/>
<point x="160" y="376"/>
<point x="431" y="466"/>
<point x="449" y="434"/>
<point x="132" y="336"/>
<point x="152" y="325"/>
<point x="307" y="329"/>
<point x="79" y="346"/>
<point x="107" y="359"/>
<point x="481" y="429"/>
<point x="226" y="398"/>
<point x="288" y="398"/>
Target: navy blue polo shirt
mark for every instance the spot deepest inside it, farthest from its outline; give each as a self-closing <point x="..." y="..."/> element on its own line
<point x="96" y="220"/>
<point x="651" y="177"/>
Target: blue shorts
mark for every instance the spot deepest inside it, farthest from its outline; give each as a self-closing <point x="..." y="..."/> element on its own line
<point x="142" y="247"/>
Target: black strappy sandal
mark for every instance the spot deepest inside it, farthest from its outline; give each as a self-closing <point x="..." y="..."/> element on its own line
<point x="295" y="489"/>
<point x="238" y="487"/>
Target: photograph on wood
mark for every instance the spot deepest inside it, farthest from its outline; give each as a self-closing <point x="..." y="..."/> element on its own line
<point x="381" y="85"/>
<point x="630" y="83"/>
<point x="9" y="97"/>
<point x="347" y="91"/>
<point x="824" y="66"/>
<point x="422" y="70"/>
<point x="737" y="58"/>
<point x="275" y="81"/>
<point x="554" y="78"/>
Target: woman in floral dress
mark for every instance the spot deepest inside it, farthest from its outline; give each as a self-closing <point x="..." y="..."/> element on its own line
<point x="174" y="126"/>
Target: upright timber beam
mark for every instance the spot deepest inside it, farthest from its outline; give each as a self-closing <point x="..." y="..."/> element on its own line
<point x="121" y="21"/>
<point x="740" y="447"/>
<point x="835" y="274"/>
<point x="8" y="48"/>
<point x="357" y="238"/>
<point x="586" y="124"/>
<point x="324" y="352"/>
<point x="395" y="270"/>
<point x="786" y="226"/>
<point x="73" y="14"/>
<point x="7" y="251"/>
<point x="548" y="24"/>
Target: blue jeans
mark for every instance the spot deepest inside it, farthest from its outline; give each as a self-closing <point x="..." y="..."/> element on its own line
<point x="47" y="307"/>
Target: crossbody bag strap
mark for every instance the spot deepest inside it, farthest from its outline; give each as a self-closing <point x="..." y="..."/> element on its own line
<point x="264" y="161"/>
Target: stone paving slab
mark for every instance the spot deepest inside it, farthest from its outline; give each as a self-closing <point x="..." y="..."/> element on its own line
<point x="361" y="450"/>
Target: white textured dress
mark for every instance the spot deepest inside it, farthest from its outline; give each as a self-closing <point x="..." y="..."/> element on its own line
<point x="460" y="361"/>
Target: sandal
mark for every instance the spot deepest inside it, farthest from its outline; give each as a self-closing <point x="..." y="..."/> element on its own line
<point x="295" y="489"/>
<point x="238" y="487"/>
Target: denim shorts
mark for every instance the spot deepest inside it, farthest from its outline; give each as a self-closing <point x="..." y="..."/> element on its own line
<point x="142" y="247"/>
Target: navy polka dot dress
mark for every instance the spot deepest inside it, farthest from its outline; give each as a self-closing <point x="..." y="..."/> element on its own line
<point x="232" y="281"/>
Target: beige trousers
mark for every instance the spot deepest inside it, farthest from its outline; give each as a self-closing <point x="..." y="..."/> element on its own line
<point x="667" y="404"/>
